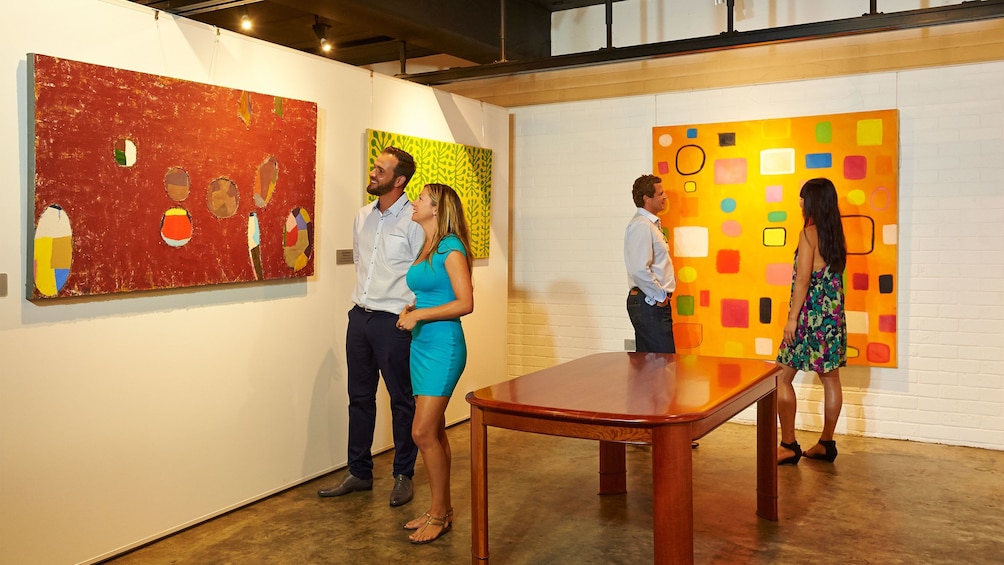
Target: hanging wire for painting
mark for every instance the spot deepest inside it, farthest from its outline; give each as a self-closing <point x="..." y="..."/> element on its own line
<point x="212" y="60"/>
<point x="655" y="111"/>
<point x="895" y="93"/>
<point x="163" y="54"/>
<point x="656" y="106"/>
<point x="160" y="41"/>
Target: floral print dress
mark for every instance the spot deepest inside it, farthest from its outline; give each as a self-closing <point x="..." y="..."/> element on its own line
<point x="821" y="334"/>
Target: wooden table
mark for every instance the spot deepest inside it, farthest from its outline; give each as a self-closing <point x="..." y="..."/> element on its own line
<point x="665" y="400"/>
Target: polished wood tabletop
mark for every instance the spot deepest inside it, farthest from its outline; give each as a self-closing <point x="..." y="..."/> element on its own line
<point x="665" y="400"/>
<point x="626" y="388"/>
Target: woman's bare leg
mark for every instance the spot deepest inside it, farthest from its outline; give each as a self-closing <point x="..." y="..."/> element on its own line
<point x="429" y="433"/>
<point x="833" y="401"/>
<point x="786" y="407"/>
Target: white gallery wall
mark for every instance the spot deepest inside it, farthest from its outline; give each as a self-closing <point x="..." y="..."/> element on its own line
<point x="573" y="168"/>
<point x="119" y="419"/>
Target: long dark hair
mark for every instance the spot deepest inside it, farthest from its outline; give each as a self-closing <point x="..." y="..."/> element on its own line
<point x="820" y="208"/>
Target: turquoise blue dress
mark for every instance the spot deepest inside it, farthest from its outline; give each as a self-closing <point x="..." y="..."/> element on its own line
<point x="438" y="349"/>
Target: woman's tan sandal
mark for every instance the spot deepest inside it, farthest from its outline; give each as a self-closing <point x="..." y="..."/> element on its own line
<point x="417" y="523"/>
<point x="445" y="523"/>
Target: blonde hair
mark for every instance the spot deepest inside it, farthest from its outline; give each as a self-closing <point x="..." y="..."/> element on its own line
<point x="449" y="219"/>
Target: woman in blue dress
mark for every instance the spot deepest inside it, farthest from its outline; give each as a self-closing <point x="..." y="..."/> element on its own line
<point x="441" y="281"/>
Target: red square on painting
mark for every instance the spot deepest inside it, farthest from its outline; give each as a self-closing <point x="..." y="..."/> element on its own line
<point x="878" y="353"/>
<point x="887" y="323"/>
<point x="735" y="313"/>
<point x="705" y="298"/>
<point x="855" y="167"/>
<point x="727" y="261"/>
<point x="859" y="281"/>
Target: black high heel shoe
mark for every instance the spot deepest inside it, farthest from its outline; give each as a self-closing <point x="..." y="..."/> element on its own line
<point x="831" y="451"/>
<point x="793" y="460"/>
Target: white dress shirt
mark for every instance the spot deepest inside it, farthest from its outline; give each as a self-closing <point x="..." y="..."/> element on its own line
<point x="646" y="256"/>
<point x="384" y="245"/>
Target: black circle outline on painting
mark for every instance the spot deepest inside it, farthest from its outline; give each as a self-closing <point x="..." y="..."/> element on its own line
<point x="870" y="240"/>
<point x="676" y="161"/>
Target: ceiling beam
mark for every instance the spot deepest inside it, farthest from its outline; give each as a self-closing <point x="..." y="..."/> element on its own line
<point x="360" y="55"/>
<point x="207" y="6"/>
<point x="975" y="10"/>
<point x="468" y="29"/>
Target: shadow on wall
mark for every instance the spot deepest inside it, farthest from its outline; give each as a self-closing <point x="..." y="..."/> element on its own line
<point x="855" y="383"/>
<point x="139" y="303"/>
<point x="327" y="422"/>
<point x="459" y="126"/>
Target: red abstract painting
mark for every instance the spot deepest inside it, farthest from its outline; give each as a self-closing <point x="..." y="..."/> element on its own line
<point x="145" y="182"/>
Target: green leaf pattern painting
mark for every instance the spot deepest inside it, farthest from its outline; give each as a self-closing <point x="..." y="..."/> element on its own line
<point x="467" y="169"/>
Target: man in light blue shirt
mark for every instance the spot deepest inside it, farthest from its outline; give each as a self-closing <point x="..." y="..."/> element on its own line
<point x="385" y="243"/>
<point x="650" y="269"/>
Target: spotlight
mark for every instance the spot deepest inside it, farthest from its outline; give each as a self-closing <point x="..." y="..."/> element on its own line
<point x="321" y="30"/>
<point x="246" y="24"/>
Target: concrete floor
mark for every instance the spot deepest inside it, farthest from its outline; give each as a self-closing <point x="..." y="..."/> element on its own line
<point x="882" y="502"/>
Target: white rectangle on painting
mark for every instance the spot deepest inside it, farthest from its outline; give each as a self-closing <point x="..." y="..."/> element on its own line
<point x="690" y="241"/>
<point x="777" y="161"/>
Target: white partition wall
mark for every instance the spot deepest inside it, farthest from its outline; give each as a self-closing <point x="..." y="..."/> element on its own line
<point x="119" y="420"/>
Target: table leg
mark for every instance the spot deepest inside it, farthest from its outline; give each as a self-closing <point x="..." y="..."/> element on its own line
<point x="766" y="456"/>
<point x="479" y="487"/>
<point x="613" y="469"/>
<point x="672" y="495"/>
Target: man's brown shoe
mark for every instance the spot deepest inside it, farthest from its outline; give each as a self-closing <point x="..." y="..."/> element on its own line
<point x="349" y="484"/>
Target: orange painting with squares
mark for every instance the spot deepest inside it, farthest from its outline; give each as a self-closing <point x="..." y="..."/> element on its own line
<point x="734" y="220"/>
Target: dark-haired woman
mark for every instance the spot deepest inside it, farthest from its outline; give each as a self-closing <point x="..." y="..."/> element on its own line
<point x="441" y="280"/>
<point x="815" y="335"/>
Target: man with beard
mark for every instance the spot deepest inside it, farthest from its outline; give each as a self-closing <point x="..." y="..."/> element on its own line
<point x="385" y="243"/>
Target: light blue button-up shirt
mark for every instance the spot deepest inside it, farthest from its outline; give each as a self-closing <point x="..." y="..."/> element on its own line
<point x="384" y="245"/>
<point x="646" y="256"/>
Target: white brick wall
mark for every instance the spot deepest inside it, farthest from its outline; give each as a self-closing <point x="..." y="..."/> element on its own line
<point x="574" y="164"/>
